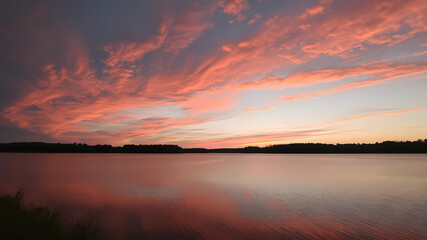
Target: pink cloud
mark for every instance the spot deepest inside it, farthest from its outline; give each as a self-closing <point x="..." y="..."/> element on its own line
<point x="176" y="32"/>
<point x="235" y="7"/>
<point x="349" y="28"/>
<point x="67" y="100"/>
<point x="378" y="72"/>
<point x="318" y="9"/>
<point x="418" y="53"/>
<point x="59" y="88"/>
<point x="187" y="27"/>
<point x="377" y="115"/>
<point x="255" y="18"/>
<point x="211" y="102"/>
<point x="130" y="52"/>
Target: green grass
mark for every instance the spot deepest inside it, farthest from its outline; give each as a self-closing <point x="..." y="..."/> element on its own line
<point x="18" y="221"/>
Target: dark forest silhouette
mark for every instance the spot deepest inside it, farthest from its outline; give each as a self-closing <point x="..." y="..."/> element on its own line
<point x="419" y="146"/>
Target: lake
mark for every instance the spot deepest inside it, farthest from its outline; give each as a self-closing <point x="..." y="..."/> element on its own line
<point x="230" y="196"/>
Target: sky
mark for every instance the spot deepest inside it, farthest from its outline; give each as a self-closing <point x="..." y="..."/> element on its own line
<point x="226" y="73"/>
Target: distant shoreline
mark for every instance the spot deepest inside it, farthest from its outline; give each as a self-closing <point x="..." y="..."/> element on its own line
<point x="419" y="146"/>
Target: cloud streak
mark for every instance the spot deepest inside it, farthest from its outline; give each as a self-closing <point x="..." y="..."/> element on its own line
<point x="377" y="115"/>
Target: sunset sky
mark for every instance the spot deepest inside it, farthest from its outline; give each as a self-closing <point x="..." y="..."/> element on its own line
<point x="226" y="73"/>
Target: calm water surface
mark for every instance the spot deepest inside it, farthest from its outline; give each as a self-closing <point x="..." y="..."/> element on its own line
<point x="230" y="196"/>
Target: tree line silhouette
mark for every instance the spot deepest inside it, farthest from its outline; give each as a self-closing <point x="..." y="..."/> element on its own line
<point x="85" y="148"/>
<point x="419" y="146"/>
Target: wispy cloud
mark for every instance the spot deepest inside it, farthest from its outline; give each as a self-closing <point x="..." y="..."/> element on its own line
<point x="258" y="139"/>
<point x="203" y="70"/>
<point x="377" y="115"/>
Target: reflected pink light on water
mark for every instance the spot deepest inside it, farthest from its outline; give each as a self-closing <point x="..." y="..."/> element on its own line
<point x="230" y="196"/>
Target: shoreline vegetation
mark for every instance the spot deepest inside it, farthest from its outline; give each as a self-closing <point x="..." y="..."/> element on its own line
<point x="419" y="146"/>
<point x="20" y="221"/>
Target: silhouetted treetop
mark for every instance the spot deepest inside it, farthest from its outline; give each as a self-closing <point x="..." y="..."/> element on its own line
<point x="419" y="146"/>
